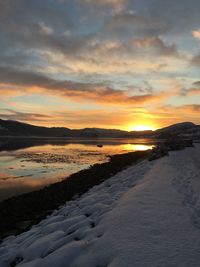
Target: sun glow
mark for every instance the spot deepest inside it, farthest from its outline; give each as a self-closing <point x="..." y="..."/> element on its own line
<point x="140" y="127"/>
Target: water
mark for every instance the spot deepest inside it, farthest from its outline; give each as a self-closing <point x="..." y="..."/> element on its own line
<point x="30" y="164"/>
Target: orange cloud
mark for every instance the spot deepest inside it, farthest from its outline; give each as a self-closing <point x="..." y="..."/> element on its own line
<point x="167" y="115"/>
<point x="196" y="34"/>
<point x="94" y="92"/>
<point x="119" y="118"/>
<point x="117" y="5"/>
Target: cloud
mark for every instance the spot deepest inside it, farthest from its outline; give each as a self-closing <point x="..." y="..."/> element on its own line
<point x="10" y="114"/>
<point x="170" y="114"/>
<point x="197" y="83"/>
<point x="65" y="39"/>
<point x="157" y="45"/>
<point x="179" y="17"/>
<point x="100" y="117"/>
<point x="196" y="34"/>
<point x="45" y="29"/>
<point x="71" y="49"/>
<point x="72" y="118"/>
<point x="40" y="37"/>
<point x="82" y="49"/>
<point x="96" y="92"/>
<point x="135" y="47"/>
<point x="41" y="31"/>
<point x="195" y="61"/>
<point x="117" y="5"/>
<point x="117" y="118"/>
<point x="193" y="90"/>
<point x="184" y="111"/>
<point x="137" y="24"/>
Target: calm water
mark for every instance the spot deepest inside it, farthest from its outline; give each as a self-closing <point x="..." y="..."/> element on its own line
<point x="27" y="165"/>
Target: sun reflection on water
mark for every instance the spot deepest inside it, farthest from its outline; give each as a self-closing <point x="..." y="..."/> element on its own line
<point x="138" y="147"/>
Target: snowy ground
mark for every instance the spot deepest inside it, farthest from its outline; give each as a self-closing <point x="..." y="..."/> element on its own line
<point x="147" y="215"/>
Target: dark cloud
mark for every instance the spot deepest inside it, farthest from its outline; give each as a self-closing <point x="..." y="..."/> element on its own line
<point x="195" y="61"/>
<point x="197" y="83"/>
<point x="15" y="14"/>
<point x="133" y="24"/>
<point x="30" y="28"/>
<point x="10" y="114"/>
<point x="98" y="92"/>
<point x="194" y="89"/>
<point x="177" y="16"/>
<point x="34" y="32"/>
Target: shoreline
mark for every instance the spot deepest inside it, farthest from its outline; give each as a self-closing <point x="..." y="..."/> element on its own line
<point x="12" y="143"/>
<point x="21" y="212"/>
<point x="144" y="204"/>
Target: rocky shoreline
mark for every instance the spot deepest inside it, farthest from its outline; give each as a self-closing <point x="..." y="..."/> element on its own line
<point x="171" y="144"/>
<point x="19" y="213"/>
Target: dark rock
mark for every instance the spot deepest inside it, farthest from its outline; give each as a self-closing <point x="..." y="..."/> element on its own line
<point x="189" y="143"/>
<point x="16" y="261"/>
<point x="178" y="143"/>
<point x="171" y="144"/>
<point x="158" y="152"/>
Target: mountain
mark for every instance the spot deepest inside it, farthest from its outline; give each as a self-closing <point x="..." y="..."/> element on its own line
<point x="177" y="128"/>
<point x="15" y="128"/>
<point x="184" y="129"/>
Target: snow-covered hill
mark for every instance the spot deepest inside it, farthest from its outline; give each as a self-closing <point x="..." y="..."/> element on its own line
<point x="184" y="129"/>
<point x="147" y="215"/>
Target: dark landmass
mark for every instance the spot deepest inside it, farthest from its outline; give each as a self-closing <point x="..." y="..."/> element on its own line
<point x="15" y="128"/>
<point x="184" y="130"/>
<point x="19" y="129"/>
<point x="21" y="212"/>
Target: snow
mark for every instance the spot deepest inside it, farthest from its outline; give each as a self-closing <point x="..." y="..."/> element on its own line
<point x="147" y="215"/>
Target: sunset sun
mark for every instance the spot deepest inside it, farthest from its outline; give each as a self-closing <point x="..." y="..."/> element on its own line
<point x="141" y="127"/>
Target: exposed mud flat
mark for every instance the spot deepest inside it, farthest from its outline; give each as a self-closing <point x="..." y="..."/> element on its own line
<point x="80" y="158"/>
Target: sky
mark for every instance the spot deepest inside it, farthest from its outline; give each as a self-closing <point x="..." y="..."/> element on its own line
<point x="124" y="64"/>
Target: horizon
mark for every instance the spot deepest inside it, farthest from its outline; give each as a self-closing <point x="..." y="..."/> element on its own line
<point x="131" y="65"/>
<point x="96" y="127"/>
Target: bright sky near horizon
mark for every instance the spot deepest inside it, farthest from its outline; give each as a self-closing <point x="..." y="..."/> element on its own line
<point x="128" y="64"/>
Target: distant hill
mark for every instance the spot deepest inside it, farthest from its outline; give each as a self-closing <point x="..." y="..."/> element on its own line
<point x="185" y="129"/>
<point x="15" y="128"/>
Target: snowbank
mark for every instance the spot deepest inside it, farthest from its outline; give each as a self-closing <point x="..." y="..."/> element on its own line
<point x="146" y="215"/>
